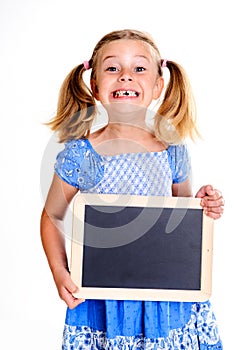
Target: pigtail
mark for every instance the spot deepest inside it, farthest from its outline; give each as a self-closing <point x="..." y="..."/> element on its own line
<point x="76" y="107"/>
<point x="176" y="116"/>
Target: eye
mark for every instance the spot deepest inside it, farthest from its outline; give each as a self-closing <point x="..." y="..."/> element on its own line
<point x="112" y="69"/>
<point x="139" y="69"/>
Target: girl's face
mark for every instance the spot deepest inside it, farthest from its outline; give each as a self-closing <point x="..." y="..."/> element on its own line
<point x="126" y="72"/>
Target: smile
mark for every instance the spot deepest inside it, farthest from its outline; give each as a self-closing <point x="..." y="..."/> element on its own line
<point x="123" y="93"/>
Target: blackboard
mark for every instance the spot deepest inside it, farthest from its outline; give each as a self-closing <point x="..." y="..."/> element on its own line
<point x="141" y="248"/>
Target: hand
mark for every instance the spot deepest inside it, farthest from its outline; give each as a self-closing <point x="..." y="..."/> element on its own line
<point x="66" y="287"/>
<point x="212" y="201"/>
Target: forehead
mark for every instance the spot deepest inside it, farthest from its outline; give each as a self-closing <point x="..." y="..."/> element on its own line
<point x="126" y="47"/>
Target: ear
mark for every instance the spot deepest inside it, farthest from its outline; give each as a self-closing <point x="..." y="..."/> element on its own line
<point x="158" y="88"/>
<point x="94" y="89"/>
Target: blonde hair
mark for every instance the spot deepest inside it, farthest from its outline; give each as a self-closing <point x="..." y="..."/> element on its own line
<point x="77" y="109"/>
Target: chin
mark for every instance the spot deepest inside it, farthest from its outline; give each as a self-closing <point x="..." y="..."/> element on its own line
<point x="122" y="108"/>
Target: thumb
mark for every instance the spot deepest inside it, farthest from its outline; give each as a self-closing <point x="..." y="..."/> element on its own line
<point x="204" y="191"/>
<point x="71" y="286"/>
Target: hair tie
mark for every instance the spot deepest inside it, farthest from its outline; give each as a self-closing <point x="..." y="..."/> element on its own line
<point x="86" y="65"/>
<point x="164" y="63"/>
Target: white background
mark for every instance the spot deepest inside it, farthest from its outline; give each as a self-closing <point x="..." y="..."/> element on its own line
<point x="41" y="41"/>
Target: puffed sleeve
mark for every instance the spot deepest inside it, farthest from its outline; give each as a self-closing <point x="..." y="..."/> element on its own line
<point x="180" y="162"/>
<point x="79" y="165"/>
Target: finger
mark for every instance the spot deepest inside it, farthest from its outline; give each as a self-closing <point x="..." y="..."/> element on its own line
<point x="71" y="286"/>
<point x="69" y="299"/>
<point x="209" y="190"/>
<point x="74" y="302"/>
<point x="212" y="201"/>
<point x="215" y="195"/>
<point x="204" y="191"/>
<point x="214" y="212"/>
<point x="213" y="215"/>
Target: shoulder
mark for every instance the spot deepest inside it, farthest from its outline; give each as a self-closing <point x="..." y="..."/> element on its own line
<point x="74" y="149"/>
<point x="180" y="162"/>
<point x="69" y="161"/>
<point x="74" y="152"/>
<point x="178" y="150"/>
<point x="78" y="164"/>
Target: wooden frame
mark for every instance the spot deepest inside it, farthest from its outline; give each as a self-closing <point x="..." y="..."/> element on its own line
<point x="179" y="208"/>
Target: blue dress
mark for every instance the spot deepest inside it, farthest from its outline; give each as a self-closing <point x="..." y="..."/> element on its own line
<point x="130" y="325"/>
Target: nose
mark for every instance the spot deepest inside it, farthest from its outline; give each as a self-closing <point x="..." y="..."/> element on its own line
<point x="125" y="76"/>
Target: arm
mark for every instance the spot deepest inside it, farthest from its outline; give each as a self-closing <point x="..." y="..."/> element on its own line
<point x="211" y="199"/>
<point x="58" y="199"/>
<point x="182" y="189"/>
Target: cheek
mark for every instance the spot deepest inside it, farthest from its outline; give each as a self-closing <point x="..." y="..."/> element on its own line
<point x="103" y="90"/>
<point x="149" y="89"/>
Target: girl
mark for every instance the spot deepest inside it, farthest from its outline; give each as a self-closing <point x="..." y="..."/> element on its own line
<point x="128" y="157"/>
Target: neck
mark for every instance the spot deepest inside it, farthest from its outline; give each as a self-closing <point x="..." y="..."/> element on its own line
<point x="128" y="131"/>
<point x="132" y="120"/>
<point x="128" y="114"/>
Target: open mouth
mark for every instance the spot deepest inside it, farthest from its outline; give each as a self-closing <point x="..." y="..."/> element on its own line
<point x="124" y="93"/>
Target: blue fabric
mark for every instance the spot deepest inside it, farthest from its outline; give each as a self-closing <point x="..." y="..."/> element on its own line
<point x="180" y="162"/>
<point x="153" y="319"/>
<point x="112" y="324"/>
<point x="80" y="166"/>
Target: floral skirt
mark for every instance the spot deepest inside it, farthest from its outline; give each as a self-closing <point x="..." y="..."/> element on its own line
<point x="200" y="332"/>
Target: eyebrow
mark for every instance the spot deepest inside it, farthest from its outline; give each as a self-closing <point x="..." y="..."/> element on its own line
<point x="115" y="56"/>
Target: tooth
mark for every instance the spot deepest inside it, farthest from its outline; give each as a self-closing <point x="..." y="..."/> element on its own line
<point x="121" y="93"/>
